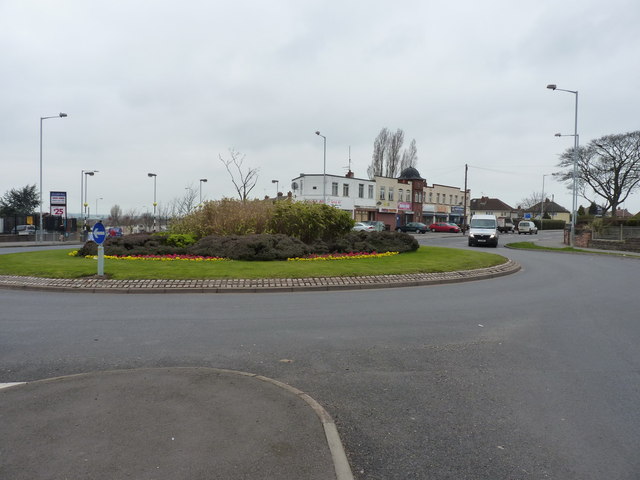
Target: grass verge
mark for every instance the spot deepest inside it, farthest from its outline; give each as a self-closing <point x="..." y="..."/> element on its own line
<point x="535" y="246"/>
<point x="58" y="264"/>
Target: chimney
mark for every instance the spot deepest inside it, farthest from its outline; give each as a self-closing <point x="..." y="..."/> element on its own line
<point x="349" y="174"/>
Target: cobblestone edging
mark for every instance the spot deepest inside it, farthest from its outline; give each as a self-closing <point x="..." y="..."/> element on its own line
<point x="100" y="285"/>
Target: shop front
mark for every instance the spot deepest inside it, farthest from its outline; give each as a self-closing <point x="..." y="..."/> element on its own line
<point x="428" y="214"/>
<point x="388" y="216"/>
<point x="456" y="214"/>
<point x="442" y="213"/>
<point x="405" y="213"/>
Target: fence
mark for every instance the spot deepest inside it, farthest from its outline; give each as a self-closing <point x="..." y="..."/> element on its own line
<point x="619" y="233"/>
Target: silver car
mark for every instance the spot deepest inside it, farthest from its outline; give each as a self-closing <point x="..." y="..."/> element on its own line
<point x="362" y="227"/>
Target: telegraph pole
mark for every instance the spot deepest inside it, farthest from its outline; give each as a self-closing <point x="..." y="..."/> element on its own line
<point x="464" y="215"/>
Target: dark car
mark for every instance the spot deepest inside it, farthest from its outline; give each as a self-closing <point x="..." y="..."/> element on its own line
<point x="444" y="227"/>
<point x="413" y="227"/>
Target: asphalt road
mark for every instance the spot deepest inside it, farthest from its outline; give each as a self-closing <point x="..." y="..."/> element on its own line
<point x="530" y="376"/>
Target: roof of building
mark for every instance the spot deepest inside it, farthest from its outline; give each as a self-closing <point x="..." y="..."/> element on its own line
<point x="410" y="173"/>
<point x="549" y="206"/>
<point x="486" y="203"/>
<point x="623" y="213"/>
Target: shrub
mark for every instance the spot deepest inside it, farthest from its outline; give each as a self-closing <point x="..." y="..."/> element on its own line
<point x="550" y="224"/>
<point x="137" y="244"/>
<point x="225" y="217"/>
<point x="309" y="221"/>
<point x="250" y="247"/>
<point x="180" y="240"/>
<point x="89" y="248"/>
<point x="368" y="242"/>
<point x="253" y="247"/>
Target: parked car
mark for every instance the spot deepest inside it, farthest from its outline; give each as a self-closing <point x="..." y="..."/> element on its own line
<point x="413" y="227"/>
<point x="114" y="231"/>
<point x="362" y="227"/>
<point x="444" y="227"/>
<point x="527" y="227"/>
<point x="378" y="226"/>
<point x="24" y="230"/>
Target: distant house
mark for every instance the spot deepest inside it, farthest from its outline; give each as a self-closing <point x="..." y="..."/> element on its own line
<point x="623" y="213"/>
<point x="551" y="208"/>
<point x="491" y="206"/>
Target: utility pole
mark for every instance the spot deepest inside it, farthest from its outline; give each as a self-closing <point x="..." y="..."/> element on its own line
<point x="464" y="215"/>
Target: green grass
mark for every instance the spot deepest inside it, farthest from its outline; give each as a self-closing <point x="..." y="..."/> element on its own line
<point x="58" y="264"/>
<point x="534" y="246"/>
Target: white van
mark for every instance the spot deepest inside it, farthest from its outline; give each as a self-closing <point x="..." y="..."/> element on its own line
<point x="25" y="230"/>
<point x="483" y="230"/>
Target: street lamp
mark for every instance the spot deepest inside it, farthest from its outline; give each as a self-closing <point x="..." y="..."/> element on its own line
<point x="154" y="198"/>
<point x="202" y="180"/>
<point x="575" y="163"/>
<point x="60" y="115"/>
<point x="85" y="204"/>
<point x="324" y="169"/>
<point x="100" y="198"/>
<point x="277" y="186"/>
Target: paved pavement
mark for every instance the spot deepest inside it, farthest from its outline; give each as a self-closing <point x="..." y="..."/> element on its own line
<point x="166" y="423"/>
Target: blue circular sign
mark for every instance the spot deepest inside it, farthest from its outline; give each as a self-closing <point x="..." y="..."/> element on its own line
<point x="99" y="233"/>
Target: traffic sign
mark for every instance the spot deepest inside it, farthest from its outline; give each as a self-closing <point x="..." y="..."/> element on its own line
<point x="99" y="233"/>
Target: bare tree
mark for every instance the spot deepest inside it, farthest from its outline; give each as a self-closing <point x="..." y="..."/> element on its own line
<point x="393" y="153"/>
<point x="380" y="145"/>
<point x="388" y="158"/>
<point x="608" y="167"/>
<point x="179" y="207"/>
<point x="130" y="219"/>
<point x="115" y="215"/>
<point x="534" y="199"/>
<point x="244" y="179"/>
<point x="409" y="156"/>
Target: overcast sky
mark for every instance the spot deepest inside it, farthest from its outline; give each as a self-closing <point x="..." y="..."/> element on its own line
<point x="167" y="87"/>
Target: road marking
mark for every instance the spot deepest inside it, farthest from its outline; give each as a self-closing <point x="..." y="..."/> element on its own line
<point x="7" y="385"/>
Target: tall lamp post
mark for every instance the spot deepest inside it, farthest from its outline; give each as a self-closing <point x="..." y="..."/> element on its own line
<point x="154" y="198"/>
<point x="277" y="186"/>
<point x="202" y="180"/>
<point x="575" y="163"/>
<point x="85" y="203"/>
<point x="324" y="169"/>
<point x="97" y="198"/>
<point x="60" y="115"/>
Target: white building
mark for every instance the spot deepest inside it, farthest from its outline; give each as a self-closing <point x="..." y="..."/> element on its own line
<point x="356" y="195"/>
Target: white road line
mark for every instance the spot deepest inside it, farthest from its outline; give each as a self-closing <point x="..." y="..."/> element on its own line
<point x="7" y="385"/>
